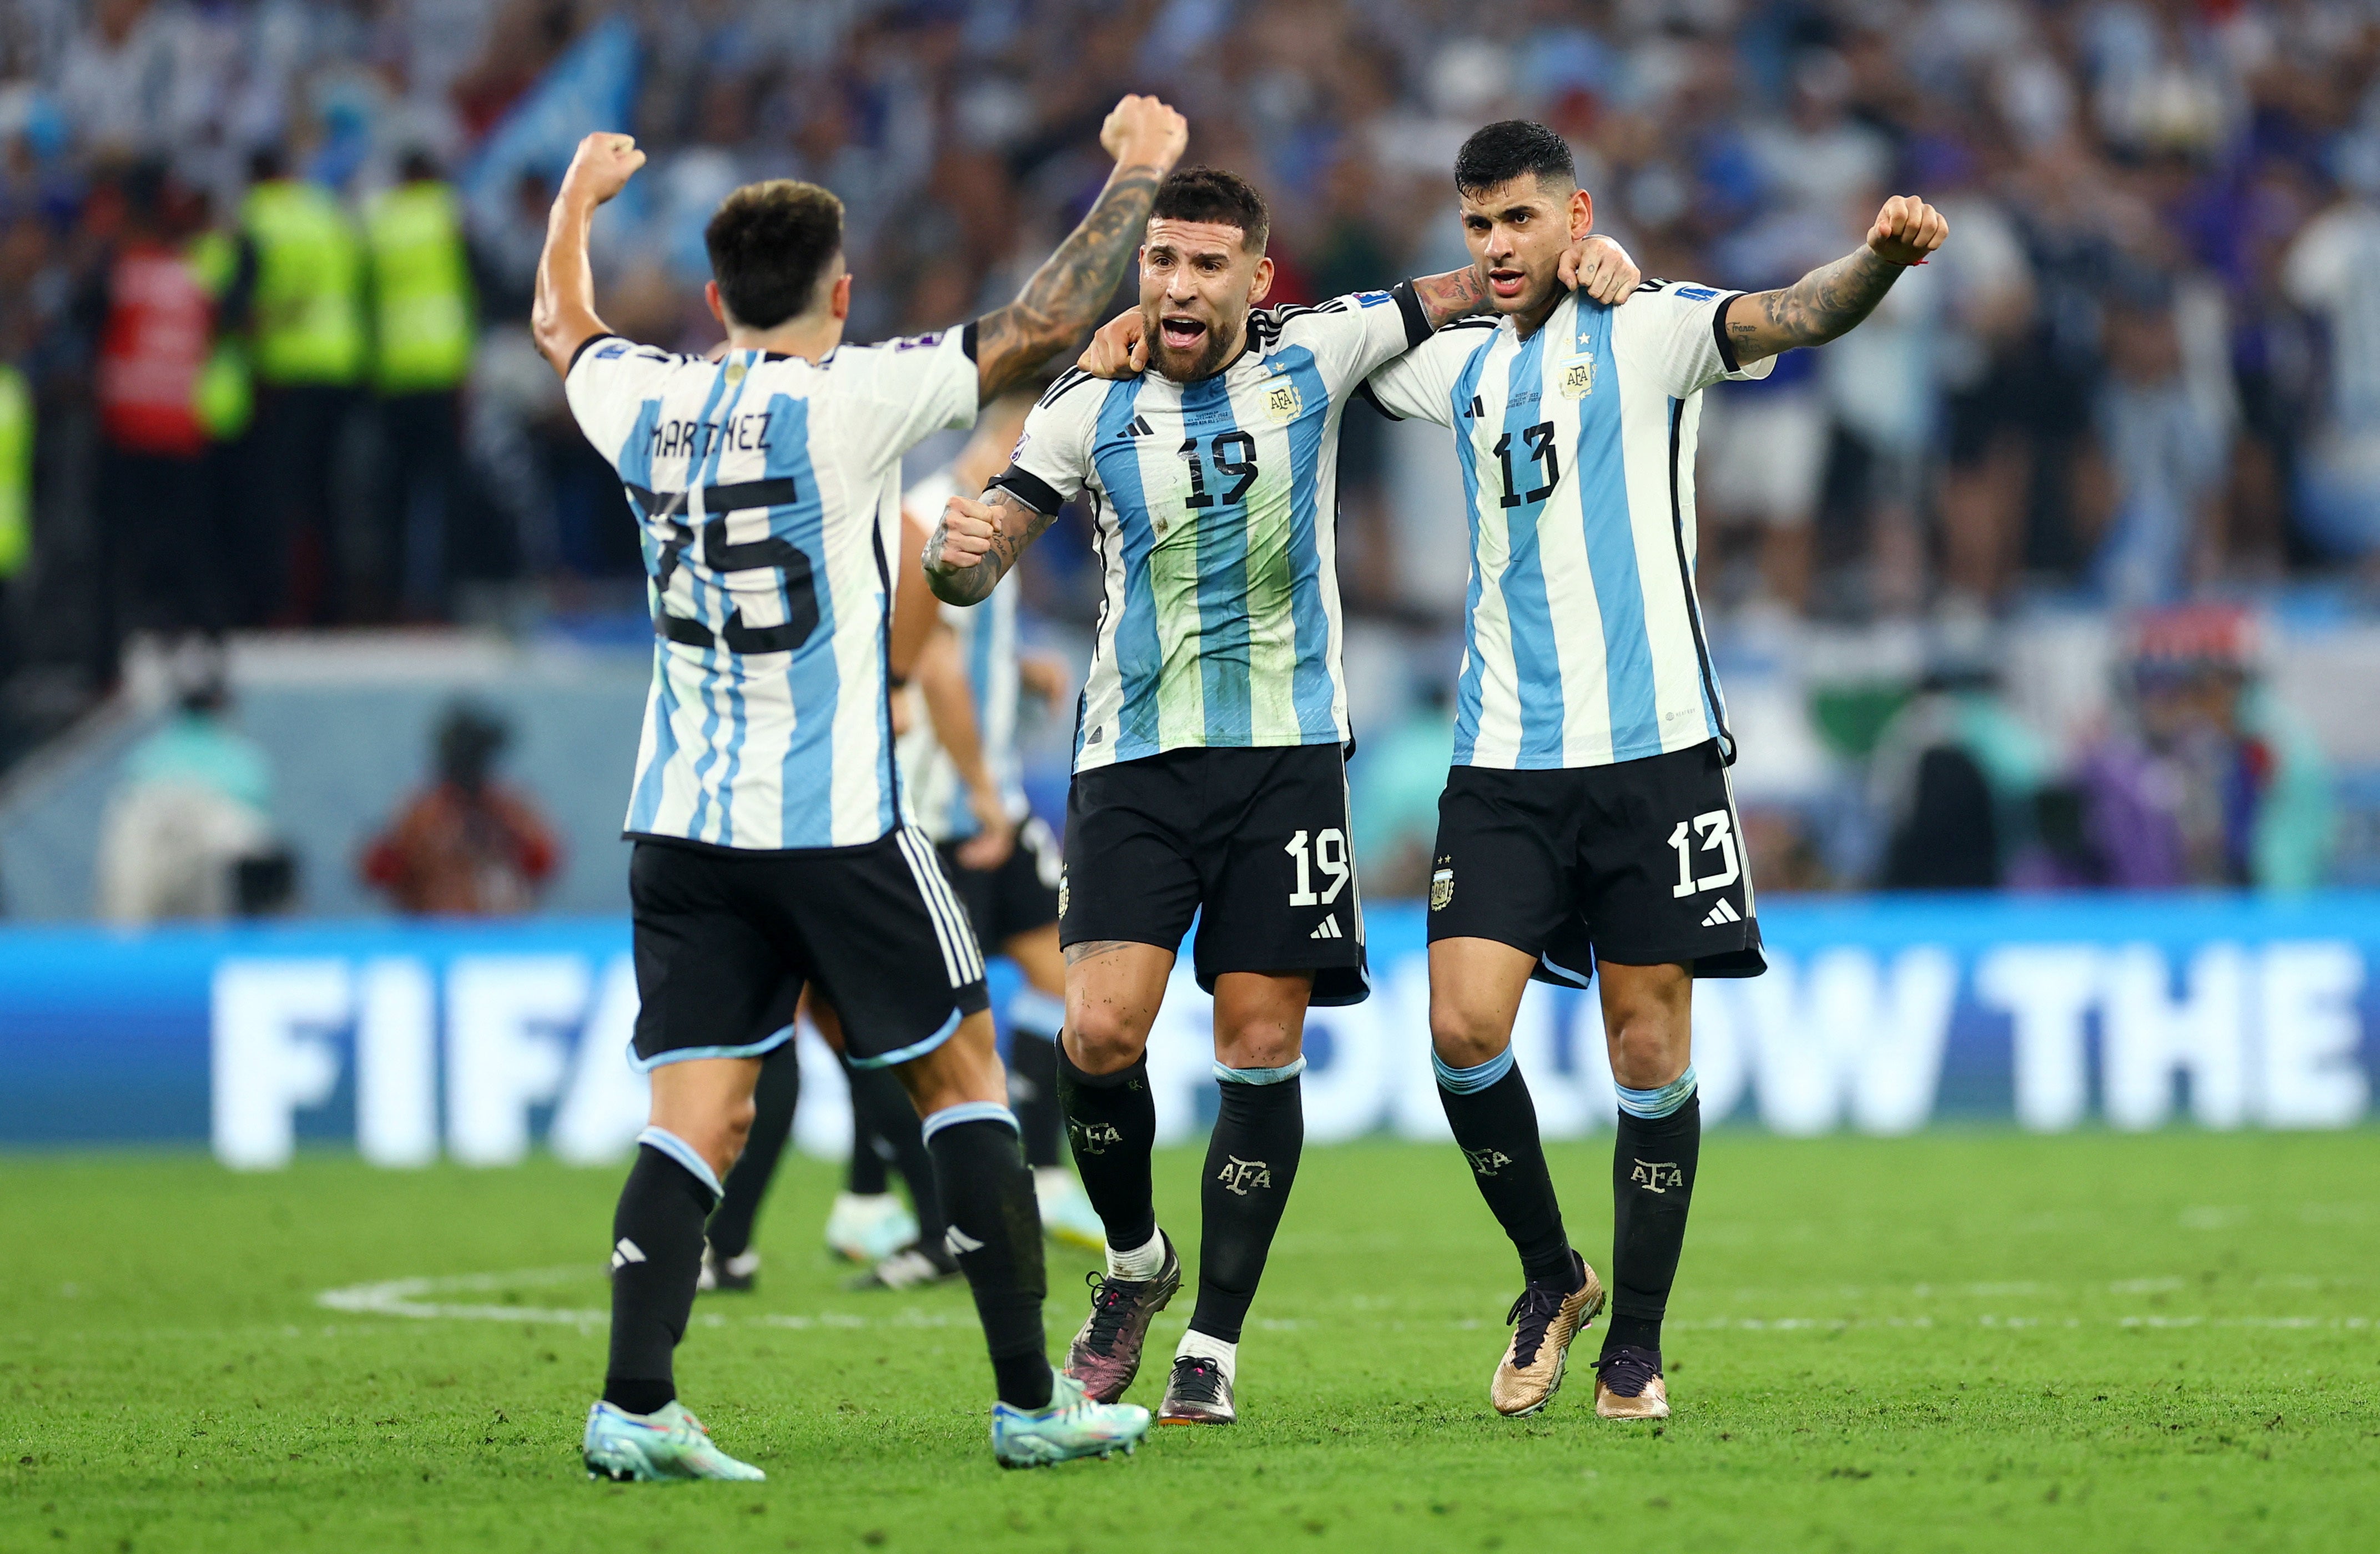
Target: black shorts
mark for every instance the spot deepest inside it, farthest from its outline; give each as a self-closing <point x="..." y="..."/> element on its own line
<point x="725" y="939"/>
<point x="1252" y="842"/>
<point x="1018" y="896"/>
<point x="1639" y="863"/>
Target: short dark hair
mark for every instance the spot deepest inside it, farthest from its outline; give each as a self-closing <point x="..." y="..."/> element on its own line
<point x="1505" y="150"/>
<point x="1212" y="194"/>
<point x="770" y="243"/>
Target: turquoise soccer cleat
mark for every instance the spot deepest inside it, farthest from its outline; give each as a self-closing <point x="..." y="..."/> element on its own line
<point x="1066" y="1212"/>
<point x="669" y="1443"/>
<point x="1072" y="1425"/>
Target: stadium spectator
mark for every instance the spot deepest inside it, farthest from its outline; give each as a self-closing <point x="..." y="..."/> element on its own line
<point x="467" y="846"/>
<point x="188" y="832"/>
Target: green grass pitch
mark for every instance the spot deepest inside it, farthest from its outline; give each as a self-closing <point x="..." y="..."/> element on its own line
<point x="1956" y="1341"/>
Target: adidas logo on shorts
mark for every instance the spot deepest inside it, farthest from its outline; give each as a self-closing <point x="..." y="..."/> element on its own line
<point x="1722" y="915"/>
<point x="1327" y="928"/>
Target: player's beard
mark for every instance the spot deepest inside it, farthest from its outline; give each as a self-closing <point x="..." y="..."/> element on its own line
<point x="1188" y="366"/>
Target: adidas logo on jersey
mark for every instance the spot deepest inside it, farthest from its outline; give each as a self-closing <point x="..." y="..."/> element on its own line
<point x="1328" y="928"/>
<point x="1140" y="428"/>
<point x="1721" y="915"/>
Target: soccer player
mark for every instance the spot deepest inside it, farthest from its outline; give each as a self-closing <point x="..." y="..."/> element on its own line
<point x="1587" y="824"/>
<point x="770" y="846"/>
<point x="1208" y="768"/>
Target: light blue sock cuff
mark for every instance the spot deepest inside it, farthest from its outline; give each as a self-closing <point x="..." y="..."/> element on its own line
<point x="1651" y="1105"/>
<point x="1463" y="1081"/>
<point x="685" y="1155"/>
<point x="968" y="1111"/>
<point x="1281" y="1075"/>
<point x="1036" y="1012"/>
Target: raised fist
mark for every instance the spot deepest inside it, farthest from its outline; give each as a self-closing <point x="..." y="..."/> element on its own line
<point x="1906" y="230"/>
<point x="602" y="167"/>
<point x="1142" y="131"/>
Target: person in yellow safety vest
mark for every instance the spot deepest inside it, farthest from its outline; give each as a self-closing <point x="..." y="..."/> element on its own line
<point x="16" y="470"/>
<point x="425" y="324"/>
<point x="251" y="554"/>
<point x="308" y="341"/>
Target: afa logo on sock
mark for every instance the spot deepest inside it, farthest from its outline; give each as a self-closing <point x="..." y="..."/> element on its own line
<point x="1242" y="1177"/>
<point x="1656" y="1176"/>
<point x="1486" y="1162"/>
<point x="1093" y="1138"/>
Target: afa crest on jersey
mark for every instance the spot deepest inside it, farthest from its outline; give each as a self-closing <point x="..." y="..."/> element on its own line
<point x="1576" y="376"/>
<point x="1282" y="401"/>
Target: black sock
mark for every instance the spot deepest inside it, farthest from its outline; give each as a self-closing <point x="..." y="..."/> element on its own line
<point x="866" y="1176"/>
<point x="1112" y="1121"/>
<point x="1033" y="1096"/>
<point x="879" y="1103"/>
<point x="996" y="1230"/>
<point x="1251" y="1161"/>
<point x="1652" y="1187"/>
<point x="773" y="1099"/>
<point x="1497" y="1127"/>
<point x="656" y="1256"/>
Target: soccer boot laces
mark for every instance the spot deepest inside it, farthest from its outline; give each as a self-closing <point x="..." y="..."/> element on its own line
<point x="668" y="1443"/>
<point x="1628" y="1385"/>
<point x="867" y="1228"/>
<point x="1544" y="1323"/>
<point x="1075" y="1425"/>
<point x="1196" y="1393"/>
<point x="1105" y="1356"/>
<point x="733" y="1275"/>
<point x="912" y="1267"/>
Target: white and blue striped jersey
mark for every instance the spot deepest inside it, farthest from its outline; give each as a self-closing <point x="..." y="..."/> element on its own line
<point x="1215" y="508"/>
<point x="985" y="635"/>
<point x="1583" y="639"/>
<point x="769" y="491"/>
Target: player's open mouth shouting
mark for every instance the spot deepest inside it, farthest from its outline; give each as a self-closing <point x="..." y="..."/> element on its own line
<point x="1182" y="331"/>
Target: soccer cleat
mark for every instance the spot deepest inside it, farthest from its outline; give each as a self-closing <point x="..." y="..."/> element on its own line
<point x="1066" y="1212"/>
<point x="912" y="1267"/>
<point x="1072" y="1425"/>
<point x="668" y="1443"/>
<point x="1196" y="1393"/>
<point x="1105" y="1356"/>
<point x="1628" y="1385"/>
<point x="1544" y="1323"/>
<point x="869" y="1228"/>
<point x="733" y="1275"/>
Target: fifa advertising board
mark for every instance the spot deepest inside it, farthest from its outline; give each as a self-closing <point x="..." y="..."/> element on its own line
<point x="482" y="1043"/>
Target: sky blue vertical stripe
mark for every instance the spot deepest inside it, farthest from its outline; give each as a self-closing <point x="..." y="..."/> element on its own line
<point x="1310" y="690"/>
<point x="805" y="777"/>
<point x="1466" y="691"/>
<point x="1139" y="654"/>
<point x="1223" y="539"/>
<point x="713" y="659"/>
<point x="1601" y="472"/>
<point x="1537" y="667"/>
<point x="636" y="467"/>
<point x="740" y="724"/>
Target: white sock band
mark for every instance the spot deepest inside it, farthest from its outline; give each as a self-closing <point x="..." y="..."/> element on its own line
<point x="1140" y="1263"/>
<point x="1203" y="1346"/>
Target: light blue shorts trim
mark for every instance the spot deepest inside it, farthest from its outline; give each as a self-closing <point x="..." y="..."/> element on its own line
<point x="688" y="1054"/>
<point x="968" y="1111"/>
<point x="684" y="1154"/>
<point x="915" y="1049"/>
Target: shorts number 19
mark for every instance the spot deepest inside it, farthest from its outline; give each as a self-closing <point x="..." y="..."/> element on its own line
<point x="1329" y="855"/>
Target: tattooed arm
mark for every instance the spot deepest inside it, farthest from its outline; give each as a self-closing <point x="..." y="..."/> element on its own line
<point x="1065" y="294"/>
<point x="1829" y="301"/>
<point x="1593" y="263"/>
<point x="976" y="542"/>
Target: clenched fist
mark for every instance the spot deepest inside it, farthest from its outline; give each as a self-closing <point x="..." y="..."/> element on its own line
<point x="1142" y="131"/>
<point x="1906" y="230"/>
<point x="600" y="168"/>
<point x="962" y="538"/>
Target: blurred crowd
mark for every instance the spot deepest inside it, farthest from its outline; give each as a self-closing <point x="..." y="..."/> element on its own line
<point x="265" y="267"/>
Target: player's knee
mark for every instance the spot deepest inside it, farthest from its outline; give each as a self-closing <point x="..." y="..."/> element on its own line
<point x="1466" y="1038"/>
<point x="1649" y="1047"/>
<point x="1257" y="1041"/>
<point x="1102" y="1039"/>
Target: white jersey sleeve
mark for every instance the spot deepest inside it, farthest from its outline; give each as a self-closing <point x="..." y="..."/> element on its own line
<point x="1681" y="329"/>
<point x="1052" y="461"/>
<point x="1349" y="335"/>
<point x="609" y="383"/>
<point x="892" y="397"/>
<point x="1419" y="385"/>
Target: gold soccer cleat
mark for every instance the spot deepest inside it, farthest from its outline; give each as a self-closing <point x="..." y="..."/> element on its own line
<point x="1544" y="1323"/>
